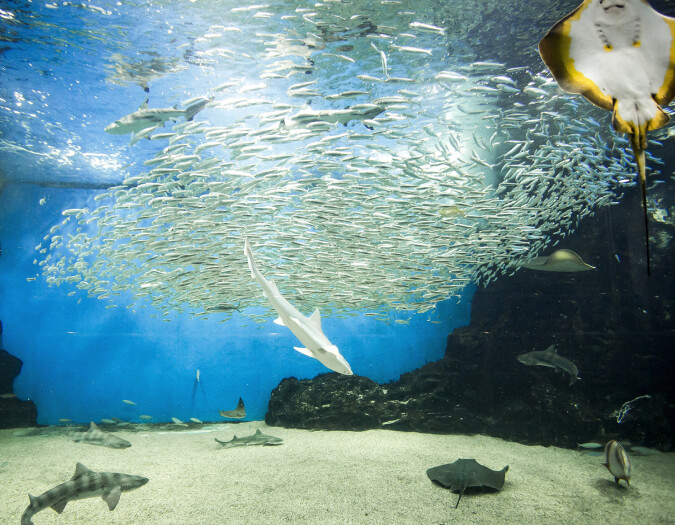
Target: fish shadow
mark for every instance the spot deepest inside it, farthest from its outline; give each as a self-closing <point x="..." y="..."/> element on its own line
<point x="615" y="492"/>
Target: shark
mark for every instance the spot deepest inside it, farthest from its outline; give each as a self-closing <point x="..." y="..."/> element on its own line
<point x="332" y="116"/>
<point x="550" y="358"/>
<point x="95" y="436"/>
<point x="254" y="439"/>
<point x="306" y="329"/>
<point x="85" y="483"/>
<point x="145" y="118"/>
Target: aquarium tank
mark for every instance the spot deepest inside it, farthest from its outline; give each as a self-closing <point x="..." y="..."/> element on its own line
<point x="434" y="217"/>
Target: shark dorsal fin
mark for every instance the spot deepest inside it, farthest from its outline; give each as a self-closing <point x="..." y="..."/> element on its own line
<point x="257" y="432"/>
<point x="551" y="350"/>
<point x="315" y="318"/>
<point x="58" y="507"/>
<point x="112" y="497"/>
<point x="92" y="426"/>
<point x="81" y="470"/>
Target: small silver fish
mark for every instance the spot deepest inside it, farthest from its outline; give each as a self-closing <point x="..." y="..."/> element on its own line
<point x="590" y="445"/>
<point x="617" y="462"/>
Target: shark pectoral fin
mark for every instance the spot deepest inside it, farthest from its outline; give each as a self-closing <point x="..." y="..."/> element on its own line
<point x="304" y="351"/>
<point x="58" y="507"/>
<point x="279" y="321"/>
<point x="315" y="318"/>
<point x="112" y="497"/>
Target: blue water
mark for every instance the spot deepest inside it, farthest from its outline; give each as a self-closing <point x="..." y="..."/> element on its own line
<point x="58" y="91"/>
<point x="81" y="359"/>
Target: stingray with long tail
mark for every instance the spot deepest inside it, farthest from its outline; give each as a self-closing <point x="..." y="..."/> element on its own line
<point x="620" y="55"/>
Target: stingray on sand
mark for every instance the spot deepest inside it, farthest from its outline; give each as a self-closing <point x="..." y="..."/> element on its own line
<point x="465" y="473"/>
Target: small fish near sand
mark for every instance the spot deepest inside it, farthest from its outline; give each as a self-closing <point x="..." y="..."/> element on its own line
<point x="85" y="483"/>
<point x="95" y="436"/>
<point x="255" y="439"/>
<point x="551" y="359"/>
<point x="237" y="413"/>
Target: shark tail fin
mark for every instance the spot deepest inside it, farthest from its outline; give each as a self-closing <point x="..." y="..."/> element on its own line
<point x="249" y="257"/>
<point x="195" y="108"/>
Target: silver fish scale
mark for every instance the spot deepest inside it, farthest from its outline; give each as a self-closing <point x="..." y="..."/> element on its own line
<point x="409" y="176"/>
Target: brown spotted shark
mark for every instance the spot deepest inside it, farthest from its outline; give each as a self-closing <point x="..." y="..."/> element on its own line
<point x="85" y="483"/>
<point x="95" y="436"/>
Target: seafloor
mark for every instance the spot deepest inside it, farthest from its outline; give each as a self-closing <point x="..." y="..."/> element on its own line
<point x="375" y="476"/>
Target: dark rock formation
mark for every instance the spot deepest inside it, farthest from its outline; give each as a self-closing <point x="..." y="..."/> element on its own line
<point x="13" y="411"/>
<point x="615" y="323"/>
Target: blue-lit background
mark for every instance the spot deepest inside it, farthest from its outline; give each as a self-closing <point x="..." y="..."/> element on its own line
<point x="68" y="70"/>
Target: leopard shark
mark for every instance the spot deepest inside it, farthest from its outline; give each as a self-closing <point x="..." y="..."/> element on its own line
<point x="95" y="436"/>
<point x="85" y="483"/>
<point x="254" y="439"/>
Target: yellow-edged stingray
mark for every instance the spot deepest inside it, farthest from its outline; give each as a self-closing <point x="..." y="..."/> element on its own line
<point x="620" y="55"/>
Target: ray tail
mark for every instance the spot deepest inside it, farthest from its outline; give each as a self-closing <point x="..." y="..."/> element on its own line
<point x="640" y="158"/>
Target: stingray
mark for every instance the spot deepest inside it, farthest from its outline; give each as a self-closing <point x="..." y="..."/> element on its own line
<point x="620" y="55"/>
<point x="464" y="473"/>
<point x="237" y="413"/>
<point x="559" y="261"/>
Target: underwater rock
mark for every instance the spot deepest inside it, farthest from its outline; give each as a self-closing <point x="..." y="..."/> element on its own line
<point x="615" y="324"/>
<point x="13" y="412"/>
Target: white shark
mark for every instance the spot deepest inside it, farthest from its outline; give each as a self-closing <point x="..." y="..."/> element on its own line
<point x="307" y="329"/>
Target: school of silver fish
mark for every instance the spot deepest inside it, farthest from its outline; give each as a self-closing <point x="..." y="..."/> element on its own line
<point x="372" y="171"/>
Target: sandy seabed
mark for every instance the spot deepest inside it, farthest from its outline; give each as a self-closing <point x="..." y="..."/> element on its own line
<point x="373" y="477"/>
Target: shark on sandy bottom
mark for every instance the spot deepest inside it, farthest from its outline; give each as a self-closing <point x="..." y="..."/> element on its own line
<point x="551" y="359"/>
<point x="620" y="55"/>
<point x="306" y="329"/>
<point x="95" y="436"/>
<point x="254" y="439"/>
<point x="85" y="483"/>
